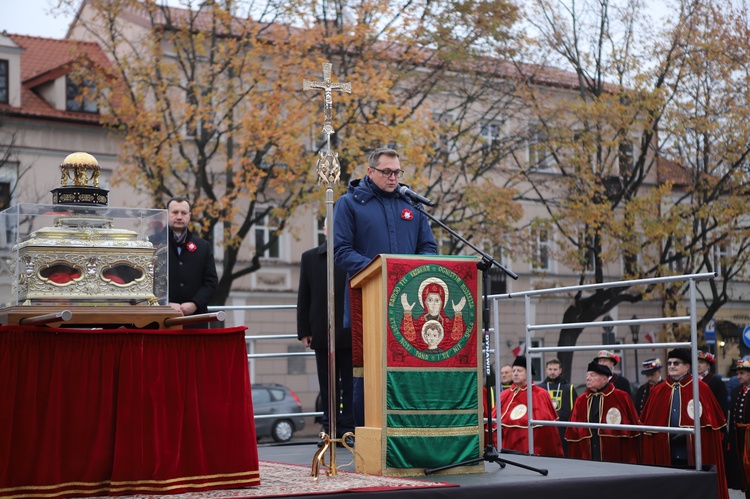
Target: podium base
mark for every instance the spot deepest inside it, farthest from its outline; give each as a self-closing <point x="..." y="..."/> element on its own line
<point x="369" y="444"/>
<point x="371" y="457"/>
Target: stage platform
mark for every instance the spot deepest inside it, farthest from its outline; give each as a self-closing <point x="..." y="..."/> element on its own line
<point x="567" y="479"/>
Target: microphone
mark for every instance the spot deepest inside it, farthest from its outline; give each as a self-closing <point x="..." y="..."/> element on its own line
<point x="406" y="192"/>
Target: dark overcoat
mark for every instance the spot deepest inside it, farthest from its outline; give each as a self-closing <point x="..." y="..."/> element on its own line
<point x="192" y="273"/>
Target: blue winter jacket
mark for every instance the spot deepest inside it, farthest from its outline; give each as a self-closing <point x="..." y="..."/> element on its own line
<point x="369" y="221"/>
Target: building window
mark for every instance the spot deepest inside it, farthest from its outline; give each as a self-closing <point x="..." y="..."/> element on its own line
<point x="721" y="254"/>
<point x="491" y="134"/>
<point x="4" y="81"/>
<point x="538" y="153"/>
<point x="446" y="142"/>
<point x="676" y="257"/>
<point x="626" y="157"/>
<point x="540" y="249"/>
<point x="265" y="230"/>
<point x="588" y="256"/>
<point x="4" y="195"/>
<point x="80" y="96"/>
<point x="537" y="361"/>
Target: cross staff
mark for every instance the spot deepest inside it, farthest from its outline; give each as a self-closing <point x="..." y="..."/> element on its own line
<point x="328" y="172"/>
<point x="328" y="87"/>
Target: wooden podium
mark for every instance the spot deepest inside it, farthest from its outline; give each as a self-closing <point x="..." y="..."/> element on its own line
<point x="415" y="331"/>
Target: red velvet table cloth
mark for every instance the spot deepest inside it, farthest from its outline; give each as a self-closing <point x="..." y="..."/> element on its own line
<point x="116" y="412"/>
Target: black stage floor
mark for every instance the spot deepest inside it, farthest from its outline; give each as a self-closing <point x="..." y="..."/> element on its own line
<point x="567" y="479"/>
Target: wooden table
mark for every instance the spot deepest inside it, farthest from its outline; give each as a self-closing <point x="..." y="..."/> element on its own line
<point x="138" y="316"/>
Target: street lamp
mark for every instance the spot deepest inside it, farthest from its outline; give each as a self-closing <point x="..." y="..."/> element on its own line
<point x="635" y="329"/>
<point x="608" y="336"/>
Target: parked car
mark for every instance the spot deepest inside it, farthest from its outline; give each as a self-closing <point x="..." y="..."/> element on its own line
<point x="273" y="398"/>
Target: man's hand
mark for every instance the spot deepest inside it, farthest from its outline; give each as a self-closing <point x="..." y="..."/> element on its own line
<point x="307" y="341"/>
<point x="175" y="306"/>
<point x="187" y="308"/>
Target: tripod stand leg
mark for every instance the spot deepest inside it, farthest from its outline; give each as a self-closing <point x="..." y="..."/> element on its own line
<point x="541" y="471"/>
<point x="491" y="455"/>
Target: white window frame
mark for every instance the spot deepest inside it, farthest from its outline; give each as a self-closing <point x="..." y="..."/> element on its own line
<point x="490" y="132"/>
<point x="86" y="105"/>
<point x="538" y="246"/>
<point x="5" y="80"/>
<point x="537" y="150"/>
<point x="445" y="144"/>
<point x="582" y="241"/>
<point x="537" y="361"/>
<point x="265" y="229"/>
<point x="622" y="151"/>
<point x="676" y="266"/>
<point x="721" y="251"/>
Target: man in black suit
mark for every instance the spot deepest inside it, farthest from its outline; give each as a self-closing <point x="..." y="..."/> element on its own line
<point x="312" y="331"/>
<point x="192" y="269"/>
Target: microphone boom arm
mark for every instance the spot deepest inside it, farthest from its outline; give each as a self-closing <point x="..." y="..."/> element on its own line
<point x="485" y="256"/>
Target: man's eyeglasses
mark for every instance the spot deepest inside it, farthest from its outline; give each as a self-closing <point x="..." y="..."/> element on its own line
<point x="388" y="173"/>
<point x="674" y="362"/>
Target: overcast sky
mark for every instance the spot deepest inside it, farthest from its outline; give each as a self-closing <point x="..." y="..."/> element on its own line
<point x="33" y="17"/>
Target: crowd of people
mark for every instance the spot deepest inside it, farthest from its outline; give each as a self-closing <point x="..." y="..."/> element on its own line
<point x="660" y="401"/>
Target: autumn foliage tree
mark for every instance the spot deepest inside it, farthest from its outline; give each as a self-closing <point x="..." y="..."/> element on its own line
<point x="207" y="99"/>
<point x="644" y="94"/>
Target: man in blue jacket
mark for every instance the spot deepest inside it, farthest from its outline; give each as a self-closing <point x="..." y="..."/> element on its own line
<point x="373" y="218"/>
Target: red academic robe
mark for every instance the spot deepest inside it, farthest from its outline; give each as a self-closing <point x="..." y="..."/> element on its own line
<point x="712" y="421"/>
<point x="515" y="421"/>
<point x="617" y="446"/>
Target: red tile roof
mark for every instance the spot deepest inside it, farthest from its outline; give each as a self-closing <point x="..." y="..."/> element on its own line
<point x="44" y="60"/>
<point x="201" y="20"/>
<point x="668" y="170"/>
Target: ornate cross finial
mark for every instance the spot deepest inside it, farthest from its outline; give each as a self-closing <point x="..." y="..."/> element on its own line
<point x="328" y="87"/>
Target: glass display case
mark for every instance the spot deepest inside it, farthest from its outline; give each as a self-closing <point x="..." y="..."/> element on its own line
<point x="83" y="255"/>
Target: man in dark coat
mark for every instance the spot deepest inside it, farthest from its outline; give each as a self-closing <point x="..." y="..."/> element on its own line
<point x="610" y="360"/>
<point x="312" y="331"/>
<point x="192" y="269"/>
<point x="563" y="395"/>
<point x="652" y="371"/>
<point x="738" y="464"/>
<point x="718" y="388"/>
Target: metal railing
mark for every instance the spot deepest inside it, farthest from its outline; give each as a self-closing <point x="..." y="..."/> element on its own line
<point x="692" y="344"/>
<point x="252" y="355"/>
<point x="494" y="332"/>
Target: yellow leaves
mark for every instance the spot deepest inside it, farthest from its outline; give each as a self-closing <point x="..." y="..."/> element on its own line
<point x="498" y="202"/>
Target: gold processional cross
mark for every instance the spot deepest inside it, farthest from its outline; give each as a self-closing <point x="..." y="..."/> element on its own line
<point x="328" y="172"/>
<point x="328" y="167"/>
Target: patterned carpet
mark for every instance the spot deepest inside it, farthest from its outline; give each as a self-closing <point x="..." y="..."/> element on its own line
<point x="284" y="480"/>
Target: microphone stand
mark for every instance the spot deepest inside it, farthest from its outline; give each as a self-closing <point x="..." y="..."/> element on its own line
<point x="491" y="454"/>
